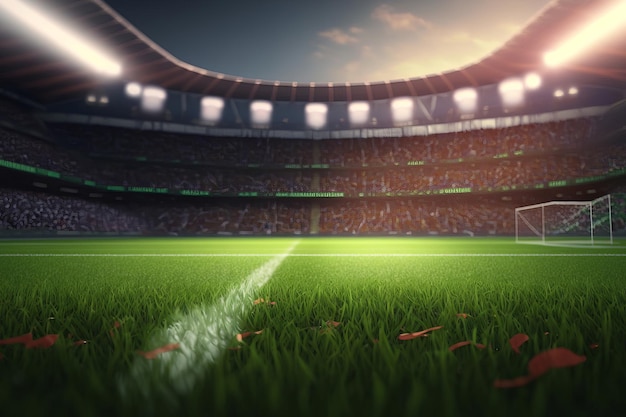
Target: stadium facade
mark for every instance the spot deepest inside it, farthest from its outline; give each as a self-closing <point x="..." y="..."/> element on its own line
<point x="168" y="148"/>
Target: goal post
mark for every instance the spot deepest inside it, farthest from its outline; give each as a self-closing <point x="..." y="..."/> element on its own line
<point x="576" y="222"/>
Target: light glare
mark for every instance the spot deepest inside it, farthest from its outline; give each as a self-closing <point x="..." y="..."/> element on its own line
<point x="599" y="28"/>
<point x="465" y="99"/>
<point x="133" y="90"/>
<point x="359" y="112"/>
<point x="70" y="43"/>
<point x="316" y="115"/>
<point x="402" y="110"/>
<point x="512" y="92"/>
<point x="532" y="81"/>
<point x="261" y="113"/>
<point x="152" y="99"/>
<point x="211" y="109"/>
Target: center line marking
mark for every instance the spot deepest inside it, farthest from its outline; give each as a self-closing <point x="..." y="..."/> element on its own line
<point x="203" y="335"/>
<point x="303" y="255"/>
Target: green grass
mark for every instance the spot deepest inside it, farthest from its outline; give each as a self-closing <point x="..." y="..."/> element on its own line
<point x="299" y="365"/>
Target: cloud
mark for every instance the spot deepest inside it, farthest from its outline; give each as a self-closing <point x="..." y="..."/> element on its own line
<point x="482" y="46"/>
<point x="340" y="36"/>
<point x="399" y="20"/>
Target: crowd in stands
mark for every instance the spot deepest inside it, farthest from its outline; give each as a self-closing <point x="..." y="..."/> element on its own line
<point x="39" y="211"/>
<point x="190" y="149"/>
<point x="534" y="154"/>
<point x="251" y="217"/>
<point x="487" y="143"/>
<point x="407" y="216"/>
<point x="193" y="149"/>
<point x="34" y="211"/>
<point x="478" y="174"/>
<point x="43" y="212"/>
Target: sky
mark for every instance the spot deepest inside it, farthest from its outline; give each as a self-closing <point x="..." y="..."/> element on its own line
<point x="329" y="40"/>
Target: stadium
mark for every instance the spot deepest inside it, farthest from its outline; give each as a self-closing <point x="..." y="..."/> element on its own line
<point x="179" y="241"/>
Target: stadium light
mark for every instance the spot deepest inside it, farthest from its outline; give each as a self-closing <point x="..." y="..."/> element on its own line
<point x="211" y="109"/>
<point x="605" y="24"/>
<point x="402" y="110"/>
<point x="316" y="115"/>
<point x="133" y="90"/>
<point x="359" y="112"/>
<point x="532" y="81"/>
<point x="559" y="93"/>
<point x="572" y="91"/>
<point x="465" y="99"/>
<point x="71" y="43"/>
<point x="152" y="99"/>
<point x="261" y="113"/>
<point x="512" y="92"/>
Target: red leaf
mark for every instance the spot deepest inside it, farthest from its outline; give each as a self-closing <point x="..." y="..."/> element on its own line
<point x="156" y="352"/>
<point x="332" y="323"/>
<point x="465" y="343"/>
<point x="458" y="345"/>
<point x="43" y="342"/>
<point x="79" y="342"/>
<point x="410" y="336"/>
<point x="258" y="301"/>
<point x="518" y="340"/>
<point x="462" y="315"/>
<point x="272" y="303"/>
<point x="553" y="358"/>
<point x="513" y="383"/>
<point x="242" y="336"/>
<point x="542" y="363"/>
<point x="594" y="345"/>
<point x="24" y="339"/>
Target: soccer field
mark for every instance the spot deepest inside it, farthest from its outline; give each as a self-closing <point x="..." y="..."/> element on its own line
<point x="311" y="327"/>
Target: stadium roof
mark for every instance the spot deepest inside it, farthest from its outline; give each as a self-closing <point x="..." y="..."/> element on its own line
<point x="34" y="72"/>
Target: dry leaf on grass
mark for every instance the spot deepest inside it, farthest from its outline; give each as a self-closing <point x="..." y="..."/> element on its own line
<point x="156" y="352"/>
<point x="542" y="363"/>
<point x="518" y="340"/>
<point x="410" y="336"/>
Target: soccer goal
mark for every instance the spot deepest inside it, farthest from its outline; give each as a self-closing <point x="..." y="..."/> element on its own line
<point x="565" y="222"/>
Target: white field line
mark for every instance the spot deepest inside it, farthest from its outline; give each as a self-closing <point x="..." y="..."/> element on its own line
<point x="203" y="335"/>
<point x="313" y="255"/>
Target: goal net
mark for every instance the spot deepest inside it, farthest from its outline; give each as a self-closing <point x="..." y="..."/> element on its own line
<point x="573" y="222"/>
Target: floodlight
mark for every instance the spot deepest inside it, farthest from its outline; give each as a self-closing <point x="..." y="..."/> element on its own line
<point x="559" y="93"/>
<point x="465" y="99"/>
<point x="532" y="81"/>
<point x="402" y="110"/>
<point x="359" y="112"/>
<point x="104" y="100"/>
<point x="152" y="99"/>
<point x="511" y="92"/>
<point x="606" y="23"/>
<point x="316" y="115"/>
<point x="71" y="43"/>
<point x="211" y="109"/>
<point x="91" y="98"/>
<point x="572" y="91"/>
<point x="133" y="90"/>
<point x="261" y="113"/>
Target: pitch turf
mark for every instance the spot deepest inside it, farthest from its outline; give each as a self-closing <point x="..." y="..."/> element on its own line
<point x="331" y="313"/>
